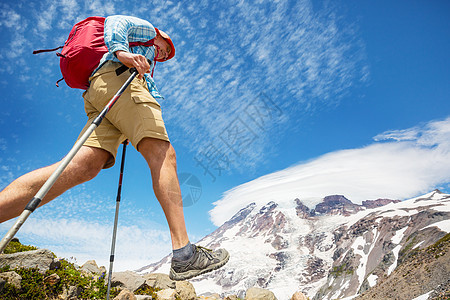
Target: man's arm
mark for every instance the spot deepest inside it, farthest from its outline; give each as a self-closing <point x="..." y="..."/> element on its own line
<point x="119" y="31"/>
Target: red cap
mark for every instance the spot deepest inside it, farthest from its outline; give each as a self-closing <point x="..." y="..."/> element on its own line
<point x="166" y="37"/>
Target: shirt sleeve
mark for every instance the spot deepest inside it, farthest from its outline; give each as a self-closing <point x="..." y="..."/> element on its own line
<point x="120" y="30"/>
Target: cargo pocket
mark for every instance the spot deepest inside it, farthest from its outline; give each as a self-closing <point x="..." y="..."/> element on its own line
<point x="147" y="113"/>
<point x="140" y="93"/>
<point x="140" y="99"/>
<point x="148" y="107"/>
<point x="145" y="99"/>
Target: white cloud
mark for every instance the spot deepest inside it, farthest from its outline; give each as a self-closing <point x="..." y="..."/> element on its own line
<point x="432" y="134"/>
<point x="44" y="22"/>
<point x="9" y="17"/>
<point x="103" y="8"/>
<point x="417" y="161"/>
<point x="16" y="25"/>
<point x="69" y="7"/>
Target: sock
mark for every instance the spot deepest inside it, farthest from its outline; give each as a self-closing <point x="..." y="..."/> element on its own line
<point x="184" y="253"/>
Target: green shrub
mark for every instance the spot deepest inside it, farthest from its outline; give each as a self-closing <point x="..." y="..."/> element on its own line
<point x="33" y="285"/>
<point x="15" y="246"/>
<point x="147" y="291"/>
<point x="344" y="268"/>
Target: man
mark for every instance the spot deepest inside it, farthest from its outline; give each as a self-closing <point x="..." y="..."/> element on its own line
<point x="136" y="116"/>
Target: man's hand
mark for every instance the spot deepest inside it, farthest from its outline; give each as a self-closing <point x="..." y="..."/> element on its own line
<point x="132" y="60"/>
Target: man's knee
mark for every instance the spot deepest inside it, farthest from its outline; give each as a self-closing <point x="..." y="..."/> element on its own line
<point x="171" y="155"/>
<point x="88" y="163"/>
<point x="157" y="151"/>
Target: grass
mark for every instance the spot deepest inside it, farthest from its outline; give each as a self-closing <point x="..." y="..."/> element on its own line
<point x="438" y="247"/>
<point x="15" y="246"/>
<point x="33" y="285"/>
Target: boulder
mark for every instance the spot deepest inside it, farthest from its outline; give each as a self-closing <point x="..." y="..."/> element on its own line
<point x="12" y="278"/>
<point x="72" y="293"/>
<point x="299" y="296"/>
<point x="255" y="293"/>
<point x="91" y="267"/>
<point x="42" y="259"/>
<point x="185" y="290"/>
<point x="166" y="294"/>
<point x="125" y="294"/>
<point x="52" y="279"/>
<point x="56" y="264"/>
<point x="231" y="297"/>
<point x="159" y="281"/>
<point x="127" y="280"/>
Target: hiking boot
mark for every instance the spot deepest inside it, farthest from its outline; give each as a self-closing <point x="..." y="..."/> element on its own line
<point x="202" y="261"/>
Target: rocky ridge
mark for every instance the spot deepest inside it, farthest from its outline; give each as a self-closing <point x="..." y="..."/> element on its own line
<point x="420" y="272"/>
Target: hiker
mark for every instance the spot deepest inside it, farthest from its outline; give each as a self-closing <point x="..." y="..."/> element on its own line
<point x="137" y="117"/>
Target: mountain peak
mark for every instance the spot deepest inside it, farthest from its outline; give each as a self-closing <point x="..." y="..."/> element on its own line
<point x="337" y="204"/>
<point x="268" y="207"/>
<point x="302" y="210"/>
<point x="241" y="214"/>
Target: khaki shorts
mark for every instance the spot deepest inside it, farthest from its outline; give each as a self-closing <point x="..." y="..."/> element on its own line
<point x="135" y="115"/>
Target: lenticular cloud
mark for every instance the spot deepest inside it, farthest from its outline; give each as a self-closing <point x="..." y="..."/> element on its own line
<point x="400" y="164"/>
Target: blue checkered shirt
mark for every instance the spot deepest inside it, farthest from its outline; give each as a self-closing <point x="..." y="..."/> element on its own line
<point x="119" y="30"/>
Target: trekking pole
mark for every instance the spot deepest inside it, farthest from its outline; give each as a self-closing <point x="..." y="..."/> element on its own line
<point x="34" y="203"/>
<point x="116" y="218"/>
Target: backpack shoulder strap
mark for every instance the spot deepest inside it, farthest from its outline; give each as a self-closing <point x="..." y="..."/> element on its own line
<point x="145" y="44"/>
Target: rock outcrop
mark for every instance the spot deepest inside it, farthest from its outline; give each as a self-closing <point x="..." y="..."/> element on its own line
<point x="299" y="296"/>
<point x="42" y="259"/>
<point x="337" y="204"/>
<point x="125" y="294"/>
<point x="159" y="281"/>
<point x="127" y="280"/>
<point x="378" y="203"/>
<point x="420" y="272"/>
<point x="256" y="293"/>
<point x="12" y="278"/>
<point x="91" y="267"/>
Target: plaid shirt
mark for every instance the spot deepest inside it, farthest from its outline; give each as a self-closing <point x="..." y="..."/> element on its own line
<point x="119" y="30"/>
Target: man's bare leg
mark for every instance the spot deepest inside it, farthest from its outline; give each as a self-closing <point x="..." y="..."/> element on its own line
<point x="161" y="159"/>
<point x="86" y="164"/>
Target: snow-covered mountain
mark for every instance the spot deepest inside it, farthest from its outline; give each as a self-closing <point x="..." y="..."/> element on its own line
<point x="334" y="250"/>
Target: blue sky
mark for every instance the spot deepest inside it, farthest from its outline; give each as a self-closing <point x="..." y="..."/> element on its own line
<point x="309" y="98"/>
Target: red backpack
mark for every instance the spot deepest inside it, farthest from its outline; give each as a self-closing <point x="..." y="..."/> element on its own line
<point x="82" y="52"/>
